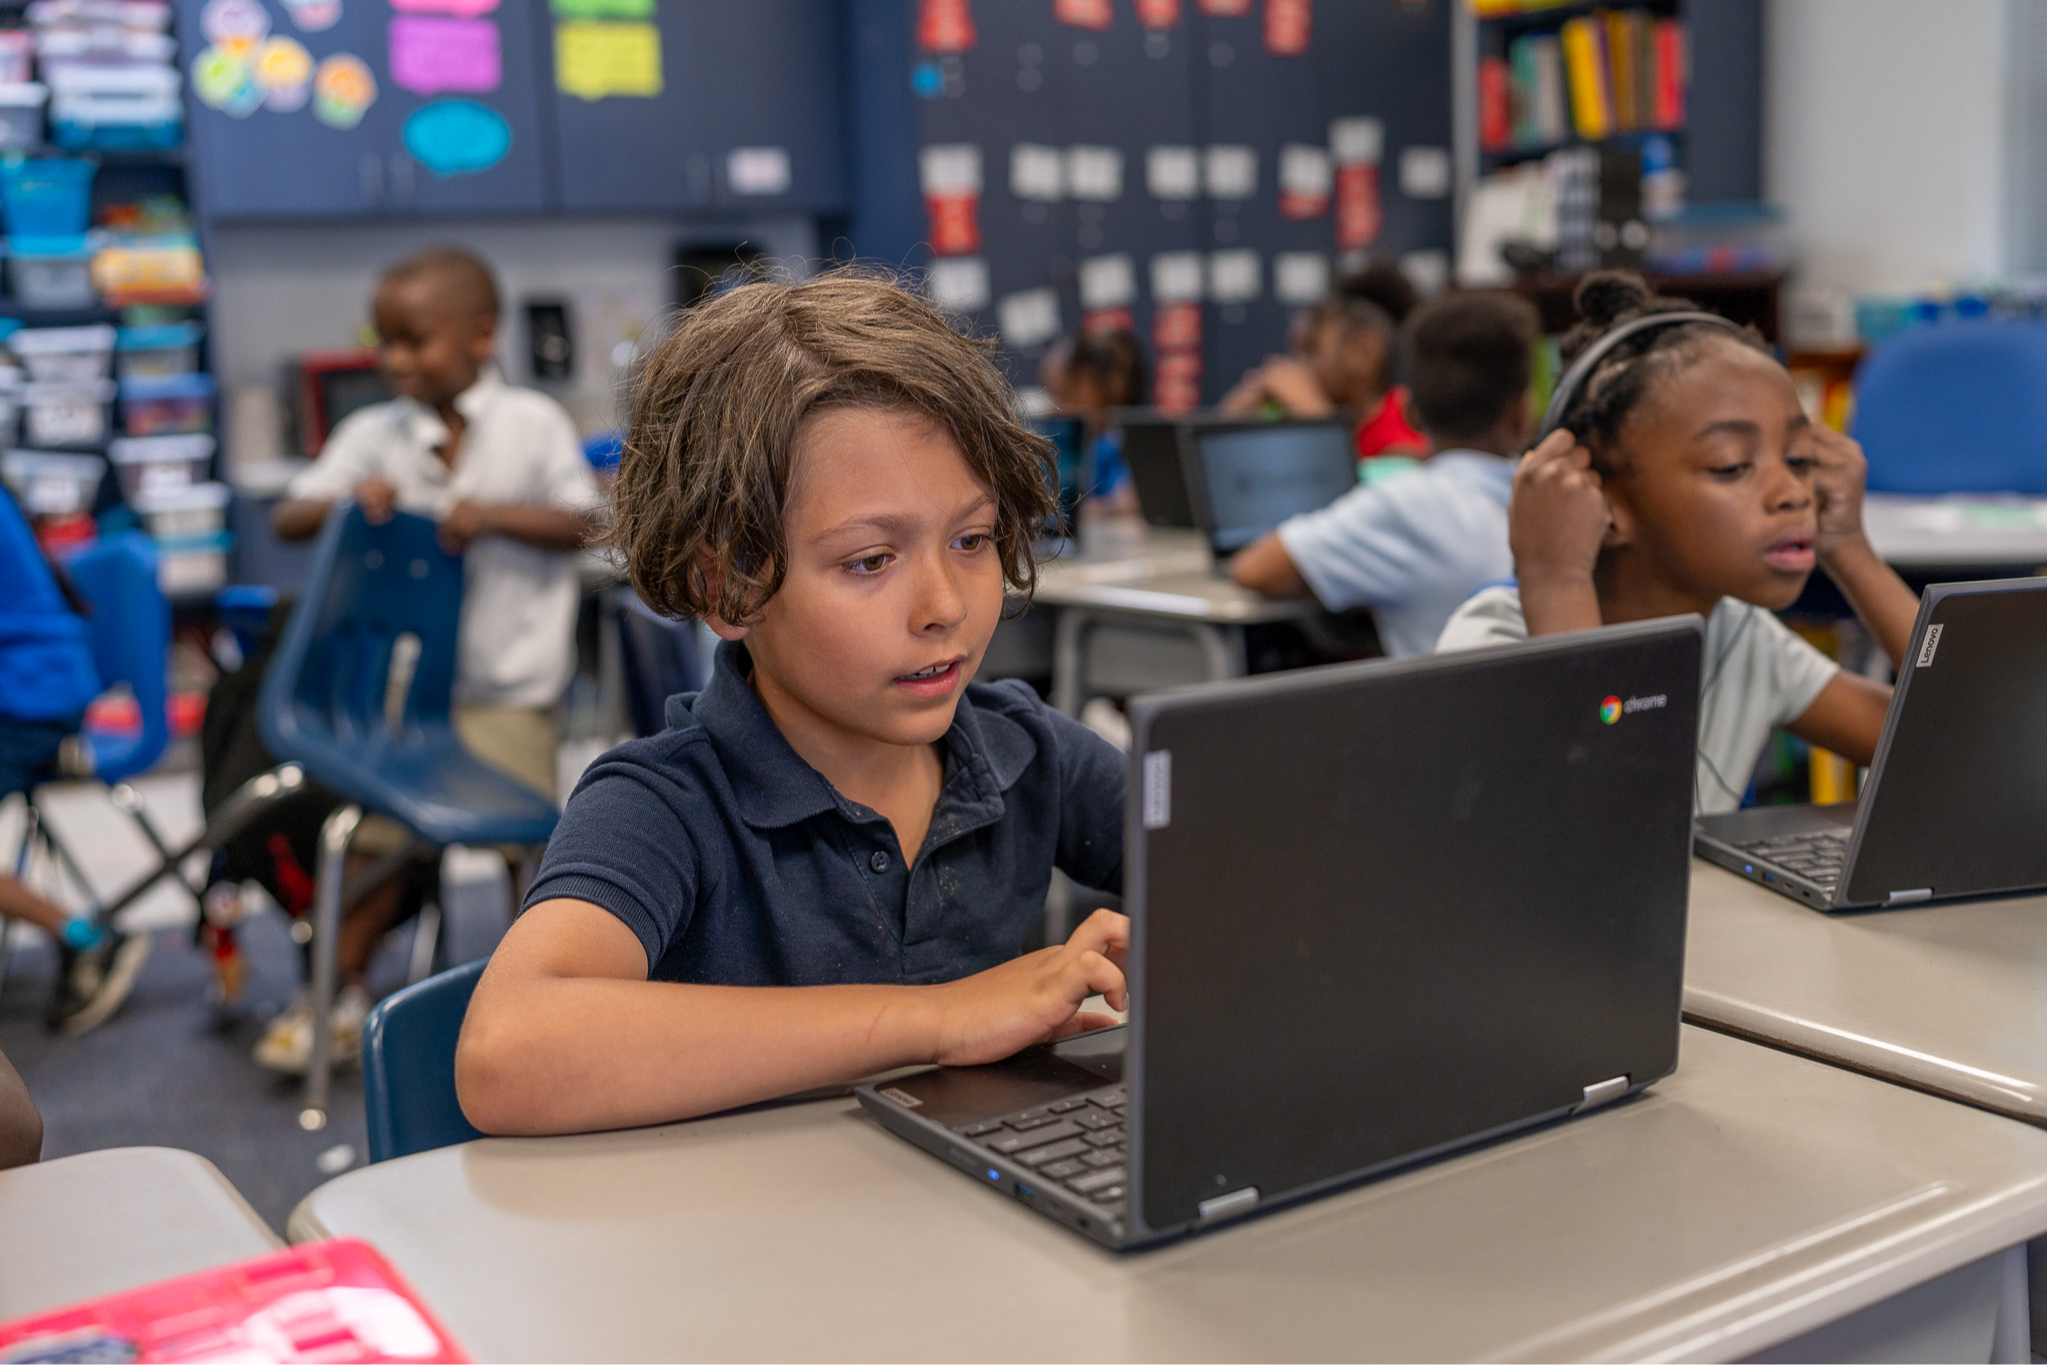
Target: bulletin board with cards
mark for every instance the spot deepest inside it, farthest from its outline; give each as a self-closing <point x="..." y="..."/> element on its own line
<point x="346" y="108"/>
<point x="1196" y="170"/>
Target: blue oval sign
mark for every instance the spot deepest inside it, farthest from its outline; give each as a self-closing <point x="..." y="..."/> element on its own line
<point x="457" y="137"/>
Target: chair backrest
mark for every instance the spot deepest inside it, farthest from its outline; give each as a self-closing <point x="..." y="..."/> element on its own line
<point x="369" y="656"/>
<point x="131" y="635"/>
<point x="408" y="1065"/>
<point x="1956" y="408"/>
<point x="658" y="658"/>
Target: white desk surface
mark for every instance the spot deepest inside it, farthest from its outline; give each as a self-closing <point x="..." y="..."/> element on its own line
<point x="1750" y="1197"/>
<point x="1124" y="565"/>
<point x="1951" y="998"/>
<point x="83" y="1226"/>
<point x="1964" y="530"/>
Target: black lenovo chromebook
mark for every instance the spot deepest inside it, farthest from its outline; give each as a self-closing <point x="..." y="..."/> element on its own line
<point x="1244" y="481"/>
<point x="1956" y="802"/>
<point x="1381" y="911"/>
<point x="1151" y="449"/>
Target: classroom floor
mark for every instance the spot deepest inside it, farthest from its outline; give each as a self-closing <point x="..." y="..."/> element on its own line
<point x="173" y="1067"/>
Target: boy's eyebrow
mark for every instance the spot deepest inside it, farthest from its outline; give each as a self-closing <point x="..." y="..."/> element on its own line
<point x="893" y="524"/>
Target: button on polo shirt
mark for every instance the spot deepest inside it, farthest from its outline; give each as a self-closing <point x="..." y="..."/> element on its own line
<point x="737" y="863"/>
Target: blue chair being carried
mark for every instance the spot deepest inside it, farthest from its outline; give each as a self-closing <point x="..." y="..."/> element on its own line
<point x="1956" y="408"/>
<point x="408" y="1066"/>
<point x="358" y="694"/>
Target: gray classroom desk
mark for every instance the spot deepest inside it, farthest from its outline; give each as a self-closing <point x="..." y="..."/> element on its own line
<point x="83" y="1226"/>
<point x="1973" y="531"/>
<point x="1139" y="607"/>
<point x="1951" y="999"/>
<point x="1754" y="1200"/>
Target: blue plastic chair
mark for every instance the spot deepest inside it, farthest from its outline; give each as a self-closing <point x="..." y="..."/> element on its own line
<point x="1956" y="408"/>
<point x="657" y="658"/>
<point x="408" y="1065"/>
<point x="131" y="635"/>
<point x="358" y="694"/>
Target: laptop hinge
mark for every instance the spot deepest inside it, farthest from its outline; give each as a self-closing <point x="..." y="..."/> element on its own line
<point x="1907" y="897"/>
<point x="1228" y="1205"/>
<point x="1605" y="1092"/>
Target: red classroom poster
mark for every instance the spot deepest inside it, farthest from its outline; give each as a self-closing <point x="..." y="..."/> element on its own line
<point x="945" y="26"/>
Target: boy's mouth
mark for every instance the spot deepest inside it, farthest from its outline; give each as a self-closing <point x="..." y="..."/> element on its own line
<point x="935" y="681"/>
<point x="1793" y="553"/>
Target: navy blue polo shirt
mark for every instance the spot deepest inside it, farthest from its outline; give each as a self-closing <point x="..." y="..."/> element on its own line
<point x="738" y="864"/>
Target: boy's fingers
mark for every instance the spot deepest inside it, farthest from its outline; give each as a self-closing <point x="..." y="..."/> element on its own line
<point x="1101" y="977"/>
<point x="1101" y="930"/>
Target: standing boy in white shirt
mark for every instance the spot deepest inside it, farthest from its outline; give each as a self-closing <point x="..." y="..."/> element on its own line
<point x="501" y="470"/>
<point x="1415" y="546"/>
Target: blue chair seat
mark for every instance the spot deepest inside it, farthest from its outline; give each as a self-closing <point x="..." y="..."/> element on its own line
<point x="429" y="783"/>
<point x="408" y="1066"/>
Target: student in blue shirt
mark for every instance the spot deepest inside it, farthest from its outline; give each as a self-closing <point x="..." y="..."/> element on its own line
<point x="1415" y="546"/>
<point x="46" y="680"/>
<point x="829" y="862"/>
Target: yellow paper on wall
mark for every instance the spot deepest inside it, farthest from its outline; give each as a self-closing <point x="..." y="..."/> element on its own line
<point x="595" y="61"/>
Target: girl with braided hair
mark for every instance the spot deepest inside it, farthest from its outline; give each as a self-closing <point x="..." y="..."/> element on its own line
<point x="1684" y="476"/>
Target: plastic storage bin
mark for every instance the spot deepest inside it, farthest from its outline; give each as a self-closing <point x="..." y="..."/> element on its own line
<point x="154" y="15"/>
<point x="170" y="404"/>
<point x="153" y="352"/>
<point x="164" y="269"/>
<point x="150" y="465"/>
<point x="17" y="59"/>
<point x="66" y="414"/>
<point x="21" y="112"/>
<point x="64" y="355"/>
<point x="53" y="485"/>
<point x="199" y="509"/>
<point x="190" y="566"/>
<point x="46" y="272"/>
<point x="115" y="108"/>
<point x="46" y="197"/>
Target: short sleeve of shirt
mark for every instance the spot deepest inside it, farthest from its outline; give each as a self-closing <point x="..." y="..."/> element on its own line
<point x="1491" y="616"/>
<point x="1092" y="773"/>
<point x="346" y="460"/>
<point x="624" y="843"/>
<point x="569" y="484"/>
<point x="1354" y="551"/>
<point x="1785" y="669"/>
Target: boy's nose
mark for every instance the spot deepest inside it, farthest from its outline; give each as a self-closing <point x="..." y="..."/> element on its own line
<point x="940" y="605"/>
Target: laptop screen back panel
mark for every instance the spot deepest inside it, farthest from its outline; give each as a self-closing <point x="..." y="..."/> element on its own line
<point x="1151" y="448"/>
<point x="1391" y="907"/>
<point x="1250" y="479"/>
<point x="1957" y="804"/>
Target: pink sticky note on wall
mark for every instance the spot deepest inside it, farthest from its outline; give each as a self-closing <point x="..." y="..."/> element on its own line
<point x="467" y="9"/>
<point x="429" y="56"/>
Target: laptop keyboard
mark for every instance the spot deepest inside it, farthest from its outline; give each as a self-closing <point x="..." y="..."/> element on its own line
<point x="1816" y="857"/>
<point x="1079" y="1142"/>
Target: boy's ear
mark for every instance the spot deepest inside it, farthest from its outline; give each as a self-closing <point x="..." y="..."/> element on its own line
<point x="714" y="584"/>
<point x="483" y="338"/>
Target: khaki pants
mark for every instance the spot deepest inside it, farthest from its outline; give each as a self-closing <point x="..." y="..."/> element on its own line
<point x="519" y="741"/>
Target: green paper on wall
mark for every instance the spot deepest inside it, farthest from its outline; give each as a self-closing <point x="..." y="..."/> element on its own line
<point x="595" y="61"/>
<point x="603" y="9"/>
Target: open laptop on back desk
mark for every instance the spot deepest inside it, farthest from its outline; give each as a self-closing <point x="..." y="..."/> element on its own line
<point x="1244" y="481"/>
<point x="1380" y="912"/>
<point x="1956" y="801"/>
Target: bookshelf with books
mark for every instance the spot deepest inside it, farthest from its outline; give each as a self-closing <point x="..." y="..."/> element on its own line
<point x="1679" y="80"/>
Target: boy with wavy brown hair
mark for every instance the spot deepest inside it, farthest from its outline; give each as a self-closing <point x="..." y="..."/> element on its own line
<point x="829" y="862"/>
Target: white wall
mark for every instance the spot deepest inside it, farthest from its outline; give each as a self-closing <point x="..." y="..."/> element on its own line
<point x="1885" y="137"/>
<point x="279" y="291"/>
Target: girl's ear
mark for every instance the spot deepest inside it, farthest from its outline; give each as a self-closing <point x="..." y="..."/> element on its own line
<point x="714" y="584"/>
<point x="1620" y="528"/>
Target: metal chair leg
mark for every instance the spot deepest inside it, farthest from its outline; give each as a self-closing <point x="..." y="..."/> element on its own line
<point x="31" y="826"/>
<point x="426" y="937"/>
<point x="334" y="836"/>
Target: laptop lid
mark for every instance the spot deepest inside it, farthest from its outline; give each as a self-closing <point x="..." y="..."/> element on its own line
<point x="1244" y="481"/>
<point x="1956" y="803"/>
<point x="1383" y="909"/>
<point x="1151" y="449"/>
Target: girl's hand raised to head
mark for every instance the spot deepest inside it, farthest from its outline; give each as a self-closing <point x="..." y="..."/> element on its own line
<point x="1034" y="998"/>
<point x="1839" y="477"/>
<point x="1557" y="520"/>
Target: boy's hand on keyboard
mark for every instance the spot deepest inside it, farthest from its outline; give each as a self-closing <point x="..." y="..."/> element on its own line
<point x="993" y="1014"/>
<point x="1840" y="473"/>
<point x="378" y="498"/>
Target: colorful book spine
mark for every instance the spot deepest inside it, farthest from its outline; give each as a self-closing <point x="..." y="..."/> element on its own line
<point x="1623" y="54"/>
<point x="1584" y="44"/>
<point x="1495" y="104"/>
<point x="1547" y="91"/>
<point x="1673" y="73"/>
